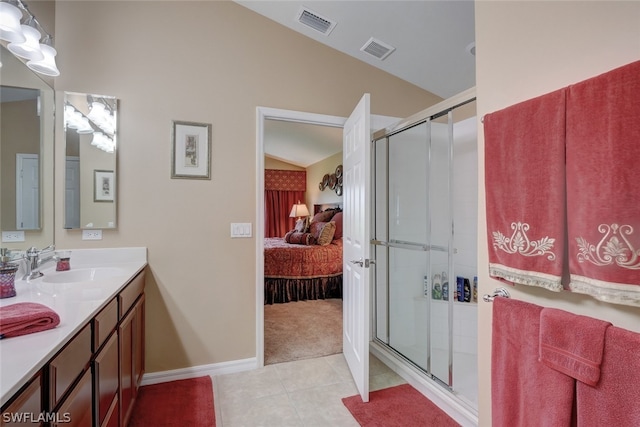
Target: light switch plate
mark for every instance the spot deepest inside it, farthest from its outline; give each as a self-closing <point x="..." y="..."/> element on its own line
<point x="12" y="236"/>
<point x="240" y="229"/>
<point x="91" y="234"/>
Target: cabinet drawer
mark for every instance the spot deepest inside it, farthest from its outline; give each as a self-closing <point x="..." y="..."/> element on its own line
<point x="130" y="294"/>
<point x="26" y="407"/>
<point x="67" y="365"/>
<point x="104" y="323"/>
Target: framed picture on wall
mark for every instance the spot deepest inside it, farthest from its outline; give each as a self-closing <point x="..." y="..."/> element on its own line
<point x="191" y="150"/>
<point x="104" y="186"/>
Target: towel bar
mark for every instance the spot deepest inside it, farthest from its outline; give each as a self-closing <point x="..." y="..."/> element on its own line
<point x="499" y="292"/>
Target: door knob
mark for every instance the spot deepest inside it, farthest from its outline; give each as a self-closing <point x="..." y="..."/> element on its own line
<point x="358" y="262"/>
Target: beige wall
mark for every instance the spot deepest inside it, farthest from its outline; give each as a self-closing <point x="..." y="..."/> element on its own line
<point x="210" y="62"/>
<point x="527" y="49"/>
<point x="315" y="173"/>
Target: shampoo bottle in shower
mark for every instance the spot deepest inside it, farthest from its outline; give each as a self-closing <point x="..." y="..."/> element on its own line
<point x="467" y="290"/>
<point x="445" y="287"/>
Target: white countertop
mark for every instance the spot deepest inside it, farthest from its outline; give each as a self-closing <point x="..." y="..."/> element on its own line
<point x="76" y="303"/>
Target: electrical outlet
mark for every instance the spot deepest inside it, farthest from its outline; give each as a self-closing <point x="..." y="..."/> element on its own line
<point x="91" y="234"/>
<point x="12" y="236"/>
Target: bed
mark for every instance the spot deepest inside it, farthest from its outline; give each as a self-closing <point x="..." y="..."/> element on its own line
<point x="304" y="271"/>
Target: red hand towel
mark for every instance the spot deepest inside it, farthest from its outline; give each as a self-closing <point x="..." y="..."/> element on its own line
<point x="26" y="318"/>
<point x="603" y="150"/>
<point x="572" y="344"/>
<point x="614" y="401"/>
<point x="524" y="391"/>
<point x="524" y="178"/>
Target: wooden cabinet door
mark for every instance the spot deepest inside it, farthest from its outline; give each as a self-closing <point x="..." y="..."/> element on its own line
<point x="75" y="410"/>
<point x="125" y="337"/>
<point x="26" y="407"/>
<point x="105" y="379"/>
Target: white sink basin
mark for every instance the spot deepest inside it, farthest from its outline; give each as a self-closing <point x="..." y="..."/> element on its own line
<point x="83" y="275"/>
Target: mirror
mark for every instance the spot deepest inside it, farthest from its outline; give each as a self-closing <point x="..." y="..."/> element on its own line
<point x="90" y="161"/>
<point x="26" y="156"/>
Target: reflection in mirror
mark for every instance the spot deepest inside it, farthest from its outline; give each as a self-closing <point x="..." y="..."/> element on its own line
<point x="26" y="155"/>
<point x="90" y="169"/>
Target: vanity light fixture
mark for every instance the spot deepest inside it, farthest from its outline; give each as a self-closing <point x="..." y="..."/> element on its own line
<point x="24" y="40"/>
<point x="103" y="142"/>
<point x="10" y="16"/>
<point x="30" y="48"/>
<point x="47" y="65"/>
<point x="101" y="116"/>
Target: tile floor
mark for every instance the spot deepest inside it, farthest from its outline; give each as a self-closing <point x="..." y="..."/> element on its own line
<point x="301" y="393"/>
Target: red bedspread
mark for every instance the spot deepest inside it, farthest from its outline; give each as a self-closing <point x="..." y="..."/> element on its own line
<point x="284" y="260"/>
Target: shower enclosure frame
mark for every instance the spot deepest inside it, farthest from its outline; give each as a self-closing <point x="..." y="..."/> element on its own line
<point x="416" y="374"/>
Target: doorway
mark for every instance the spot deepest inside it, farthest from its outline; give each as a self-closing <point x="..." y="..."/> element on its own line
<point x="264" y="114"/>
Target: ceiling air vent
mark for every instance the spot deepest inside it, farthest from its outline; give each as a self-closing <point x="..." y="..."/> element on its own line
<point x="377" y="48"/>
<point x="313" y="20"/>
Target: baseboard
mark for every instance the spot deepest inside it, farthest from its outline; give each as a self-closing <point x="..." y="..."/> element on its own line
<point x="198" y="371"/>
<point x="440" y="397"/>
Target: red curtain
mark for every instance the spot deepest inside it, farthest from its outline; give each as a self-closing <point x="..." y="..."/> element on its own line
<point x="277" y="206"/>
<point x="282" y="189"/>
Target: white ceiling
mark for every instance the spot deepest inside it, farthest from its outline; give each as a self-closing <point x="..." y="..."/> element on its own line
<point x="430" y="36"/>
<point x="431" y="40"/>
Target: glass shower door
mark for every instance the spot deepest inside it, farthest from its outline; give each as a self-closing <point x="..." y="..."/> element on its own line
<point x="440" y="266"/>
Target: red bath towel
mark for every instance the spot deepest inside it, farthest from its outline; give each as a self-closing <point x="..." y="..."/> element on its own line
<point x="614" y="400"/>
<point x="603" y="207"/>
<point x="572" y="344"/>
<point x="524" y="391"/>
<point x="524" y="179"/>
<point x="26" y="318"/>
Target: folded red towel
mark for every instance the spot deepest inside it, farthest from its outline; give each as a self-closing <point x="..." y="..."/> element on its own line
<point x="572" y="344"/>
<point x="26" y="318"/>
<point x="614" y="401"/>
<point x="603" y="135"/>
<point x="524" y="391"/>
<point x="525" y="182"/>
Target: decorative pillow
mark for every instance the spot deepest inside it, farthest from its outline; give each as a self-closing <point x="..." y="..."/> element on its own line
<point x="326" y="234"/>
<point x="315" y="228"/>
<point x="297" y="238"/>
<point x="301" y="225"/>
<point x="337" y="218"/>
<point x="324" y="216"/>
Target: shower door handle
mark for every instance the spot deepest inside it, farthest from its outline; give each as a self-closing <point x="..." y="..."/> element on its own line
<point x="363" y="263"/>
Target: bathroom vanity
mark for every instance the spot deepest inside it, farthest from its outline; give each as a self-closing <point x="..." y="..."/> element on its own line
<point x="87" y="370"/>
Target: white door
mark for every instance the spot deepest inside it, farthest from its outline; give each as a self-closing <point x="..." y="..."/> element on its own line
<point x="27" y="192"/>
<point x="356" y="236"/>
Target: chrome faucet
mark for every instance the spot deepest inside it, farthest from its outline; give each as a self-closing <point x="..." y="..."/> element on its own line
<point x="34" y="261"/>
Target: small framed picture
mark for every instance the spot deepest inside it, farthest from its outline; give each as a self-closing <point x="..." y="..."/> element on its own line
<point x="104" y="186"/>
<point x="191" y="150"/>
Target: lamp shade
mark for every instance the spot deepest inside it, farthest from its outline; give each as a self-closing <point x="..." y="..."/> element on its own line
<point x="47" y="65"/>
<point x="10" y="29"/>
<point x="30" y="48"/>
<point x="299" y="210"/>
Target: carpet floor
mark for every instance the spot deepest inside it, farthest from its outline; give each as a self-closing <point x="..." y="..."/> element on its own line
<point x="399" y="406"/>
<point x="175" y="403"/>
<point x="302" y="330"/>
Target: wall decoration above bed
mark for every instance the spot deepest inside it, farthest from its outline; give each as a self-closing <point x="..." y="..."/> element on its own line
<point x="333" y="181"/>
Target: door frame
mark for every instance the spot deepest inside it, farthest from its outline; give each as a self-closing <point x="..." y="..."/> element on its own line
<point x="262" y="114"/>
